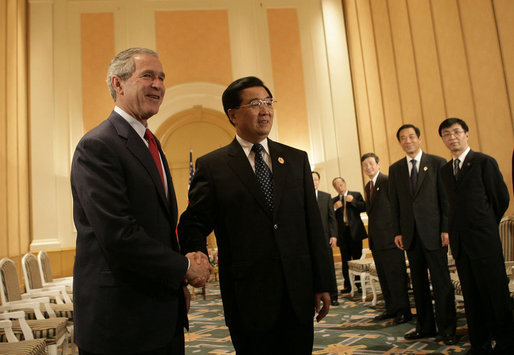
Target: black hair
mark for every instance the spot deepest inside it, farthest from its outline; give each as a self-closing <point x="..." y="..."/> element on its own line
<point x="447" y="123"/>
<point x="408" y="125"/>
<point x="231" y="97"/>
<point x="370" y="155"/>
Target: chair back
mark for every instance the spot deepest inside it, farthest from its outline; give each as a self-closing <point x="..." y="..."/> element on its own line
<point x="507" y="237"/>
<point x="44" y="266"/>
<point x="9" y="287"/>
<point x="31" y="272"/>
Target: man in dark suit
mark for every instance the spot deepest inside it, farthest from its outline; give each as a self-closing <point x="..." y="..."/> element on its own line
<point x="348" y="206"/>
<point x="258" y="196"/>
<point x="419" y="208"/>
<point x="389" y="260"/>
<point x="328" y="218"/>
<point x="478" y="199"/>
<point x="129" y="293"/>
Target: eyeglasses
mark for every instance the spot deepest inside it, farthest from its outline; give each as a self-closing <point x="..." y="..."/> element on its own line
<point x="455" y="133"/>
<point x="257" y="103"/>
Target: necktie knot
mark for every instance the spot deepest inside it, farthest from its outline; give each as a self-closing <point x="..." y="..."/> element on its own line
<point x="257" y="148"/>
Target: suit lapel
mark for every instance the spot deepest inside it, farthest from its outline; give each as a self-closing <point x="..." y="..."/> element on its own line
<point x="466" y="165"/>
<point x="240" y="165"/>
<point x="422" y="172"/>
<point x="136" y="146"/>
<point x="404" y="175"/>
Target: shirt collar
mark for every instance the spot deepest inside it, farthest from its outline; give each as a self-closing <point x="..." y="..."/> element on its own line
<point x="247" y="146"/>
<point x="375" y="178"/>
<point x="417" y="157"/>
<point x="463" y="155"/>
<point x="135" y="124"/>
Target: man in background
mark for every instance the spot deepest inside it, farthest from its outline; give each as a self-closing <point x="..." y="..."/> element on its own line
<point x="258" y="196"/>
<point x="328" y="218"/>
<point x="420" y="224"/>
<point x="478" y="199"/>
<point x="129" y="290"/>
<point x="348" y="206"/>
<point x="389" y="260"/>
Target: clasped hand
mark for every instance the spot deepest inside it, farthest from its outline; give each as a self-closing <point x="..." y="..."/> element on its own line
<point x="199" y="269"/>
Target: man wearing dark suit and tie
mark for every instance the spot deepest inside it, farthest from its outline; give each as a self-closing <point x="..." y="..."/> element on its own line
<point x="328" y="218"/>
<point x="258" y="196"/>
<point x="389" y="260"/>
<point x="478" y="199"/>
<point x="129" y="293"/>
<point x="348" y="206"/>
<point x="419" y="209"/>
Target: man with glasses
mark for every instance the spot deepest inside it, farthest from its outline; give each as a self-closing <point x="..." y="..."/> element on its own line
<point x="478" y="199"/>
<point x="419" y="209"/>
<point x="258" y="197"/>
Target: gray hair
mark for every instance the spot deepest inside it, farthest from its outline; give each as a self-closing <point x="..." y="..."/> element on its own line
<point x="122" y="65"/>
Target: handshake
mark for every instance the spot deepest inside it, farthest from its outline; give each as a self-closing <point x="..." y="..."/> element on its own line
<point x="199" y="269"/>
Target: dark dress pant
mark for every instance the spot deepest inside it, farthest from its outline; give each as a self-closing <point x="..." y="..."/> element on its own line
<point x="287" y="336"/>
<point x="392" y="275"/>
<point x="350" y="250"/>
<point x="487" y="303"/>
<point x="421" y="261"/>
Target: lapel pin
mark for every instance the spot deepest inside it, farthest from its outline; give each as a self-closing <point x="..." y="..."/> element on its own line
<point x="425" y="168"/>
<point x="280" y="160"/>
<point x="378" y="188"/>
<point x="468" y="164"/>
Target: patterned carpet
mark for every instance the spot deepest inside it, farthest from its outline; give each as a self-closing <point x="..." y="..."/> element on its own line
<point x="348" y="329"/>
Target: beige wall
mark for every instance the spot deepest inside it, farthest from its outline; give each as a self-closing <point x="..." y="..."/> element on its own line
<point x="14" y="163"/>
<point x="204" y="45"/>
<point x="423" y="61"/>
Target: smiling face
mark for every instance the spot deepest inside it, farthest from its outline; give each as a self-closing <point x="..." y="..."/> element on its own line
<point x="409" y="141"/>
<point x="370" y="167"/>
<point x="253" y="124"/>
<point x="142" y="93"/>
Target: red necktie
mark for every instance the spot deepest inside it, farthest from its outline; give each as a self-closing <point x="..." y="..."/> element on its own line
<point x="155" y="152"/>
<point x="370" y="189"/>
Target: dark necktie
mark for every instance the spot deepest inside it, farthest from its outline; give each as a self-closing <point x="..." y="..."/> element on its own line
<point x="152" y="145"/>
<point x="263" y="173"/>
<point x="456" y="168"/>
<point x="413" y="175"/>
<point x="370" y="190"/>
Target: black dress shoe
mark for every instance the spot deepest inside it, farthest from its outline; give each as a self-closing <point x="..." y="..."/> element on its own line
<point x="346" y="290"/>
<point x="383" y="316"/>
<point x="334" y="303"/>
<point x="416" y="335"/>
<point x="402" y="318"/>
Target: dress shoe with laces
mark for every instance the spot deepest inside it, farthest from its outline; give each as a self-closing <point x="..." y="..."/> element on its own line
<point x="402" y="318"/>
<point x="384" y="315"/>
<point x="413" y="335"/>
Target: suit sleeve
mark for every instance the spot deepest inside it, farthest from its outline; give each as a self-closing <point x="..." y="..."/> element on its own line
<point x="332" y="222"/>
<point x="393" y="199"/>
<point x="197" y="222"/>
<point x="495" y="187"/>
<point x="317" y="242"/>
<point x="443" y="197"/>
<point x="102" y="210"/>
<point x="358" y="202"/>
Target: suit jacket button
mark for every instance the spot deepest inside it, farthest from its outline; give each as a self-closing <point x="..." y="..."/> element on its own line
<point x="275" y="226"/>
